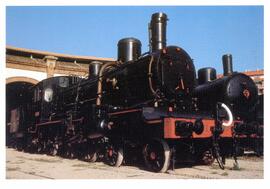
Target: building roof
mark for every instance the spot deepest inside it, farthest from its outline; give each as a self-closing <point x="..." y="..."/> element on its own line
<point x="61" y="57"/>
<point x="254" y="73"/>
<point x="249" y="73"/>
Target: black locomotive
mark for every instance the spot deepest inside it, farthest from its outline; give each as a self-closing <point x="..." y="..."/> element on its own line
<point x="150" y="106"/>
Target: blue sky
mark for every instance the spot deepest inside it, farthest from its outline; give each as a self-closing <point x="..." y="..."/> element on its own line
<point x="205" y="32"/>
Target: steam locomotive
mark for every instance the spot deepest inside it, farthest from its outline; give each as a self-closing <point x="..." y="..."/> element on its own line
<point x="149" y="106"/>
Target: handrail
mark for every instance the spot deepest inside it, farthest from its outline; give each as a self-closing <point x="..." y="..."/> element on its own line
<point x="229" y="113"/>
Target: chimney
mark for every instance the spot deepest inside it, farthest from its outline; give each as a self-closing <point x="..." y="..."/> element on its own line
<point x="157" y="31"/>
<point x="227" y="64"/>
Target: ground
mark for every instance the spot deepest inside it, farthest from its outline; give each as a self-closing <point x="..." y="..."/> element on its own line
<point x="21" y="165"/>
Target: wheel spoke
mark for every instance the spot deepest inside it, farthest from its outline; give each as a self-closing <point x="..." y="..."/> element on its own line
<point x="158" y="164"/>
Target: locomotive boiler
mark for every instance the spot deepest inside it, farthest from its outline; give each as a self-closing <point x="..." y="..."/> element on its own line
<point x="149" y="106"/>
<point x="164" y="73"/>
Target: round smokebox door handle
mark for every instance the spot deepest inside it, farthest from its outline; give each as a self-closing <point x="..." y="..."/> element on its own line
<point x="229" y="113"/>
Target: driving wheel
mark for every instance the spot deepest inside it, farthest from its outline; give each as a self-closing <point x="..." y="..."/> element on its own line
<point x="156" y="155"/>
<point x="114" y="155"/>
